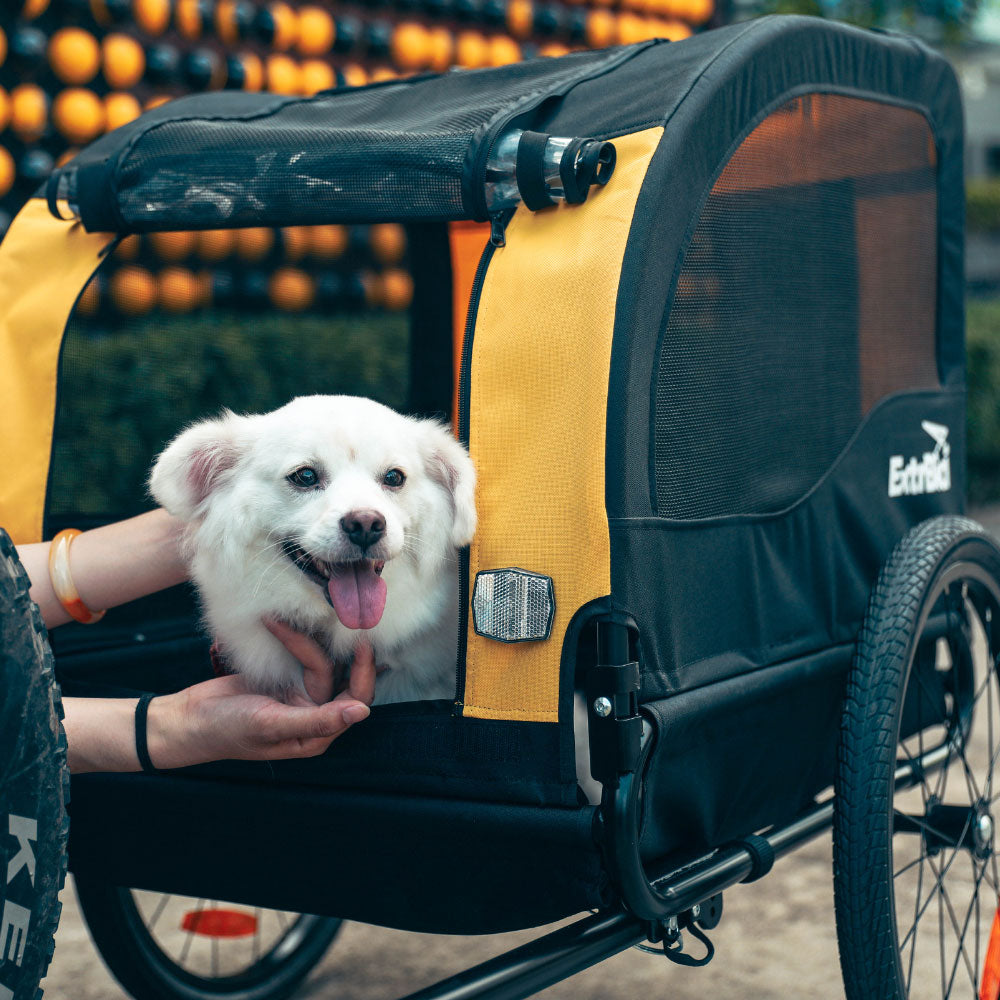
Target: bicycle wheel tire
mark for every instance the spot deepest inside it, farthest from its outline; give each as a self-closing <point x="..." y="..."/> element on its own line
<point x="915" y="873"/>
<point x="156" y="963"/>
<point x="34" y="787"/>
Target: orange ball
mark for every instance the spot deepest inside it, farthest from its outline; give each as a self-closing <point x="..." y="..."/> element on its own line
<point x="411" y="46"/>
<point x="291" y="290"/>
<point x="388" y="242"/>
<point x="295" y="242"/>
<point x="124" y="61"/>
<point x="553" y="50"/>
<point x="120" y="109"/>
<point x="253" y="71"/>
<point x="128" y="248"/>
<point x="317" y="31"/>
<point x="631" y="28"/>
<point x="187" y="18"/>
<point x="676" y="31"/>
<point x="382" y="73"/>
<point x="283" y="75"/>
<point x="179" y="290"/>
<point x="286" y="26"/>
<point x="317" y="75"/>
<point x="3" y="46"/>
<point x="215" y="244"/>
<point x="442" y="49"/>
<point x="328" y="242"/>
<point x="8" y="171"/>
<point x="520" y="18"/>
<point x="173" y="246"/>
<point x="699" y="11"/>
<point x="602" y="30"/>
<point x="254" y="244"/>
<point x="152" y="16"/>
<point x="132" y="290"/>
<point x="396" y="291"/>
<point x="471" y="50"/>
<point x="78" y="114"/>
<point x="32" y="8"/>
<point x="225" y="22"/>
<point x="74" y="55"/>
<point x="90" y="298"/>
<point x="4" y="109"/>
<point x="66" y="155"/>
<point x="354" y="75"/>
<point x="29" y="111"/>
<point x="503" y="51"/>
<point x="156" y="101"/>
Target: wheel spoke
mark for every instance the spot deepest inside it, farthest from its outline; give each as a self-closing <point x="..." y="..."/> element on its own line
<point x="157" y="912"/>
<point x="913" y="946"/>
<point x="960" y="934"/>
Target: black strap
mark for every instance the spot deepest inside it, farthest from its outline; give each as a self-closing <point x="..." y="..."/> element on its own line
<point x="529" y="171"/>
<point x="141" y="747"/>
<point x="762" y="855"/>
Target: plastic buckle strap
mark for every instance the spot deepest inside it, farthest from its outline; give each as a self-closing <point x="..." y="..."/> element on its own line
<point x="529" y="171"/>
<point x="673" y="948"/>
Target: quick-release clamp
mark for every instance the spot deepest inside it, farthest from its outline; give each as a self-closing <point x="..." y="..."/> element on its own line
<point x="614" y="723"/>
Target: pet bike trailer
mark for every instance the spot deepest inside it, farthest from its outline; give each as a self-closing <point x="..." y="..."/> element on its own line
<point x="707" y="402"/>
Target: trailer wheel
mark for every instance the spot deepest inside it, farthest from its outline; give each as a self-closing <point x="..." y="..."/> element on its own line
<point x="169" y="947"/>
<point x="34" y="787"/>
<point x="916" y="882"/>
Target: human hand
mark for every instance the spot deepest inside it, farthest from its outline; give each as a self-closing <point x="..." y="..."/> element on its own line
<point x="222" y="719"/>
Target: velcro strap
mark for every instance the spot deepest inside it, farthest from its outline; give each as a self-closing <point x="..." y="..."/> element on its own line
<point x="529" y="171"/>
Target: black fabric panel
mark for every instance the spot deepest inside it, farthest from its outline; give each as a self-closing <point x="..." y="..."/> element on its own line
<point x="408" y="862"/>
<point x="714" y="88"/>
<point x="725" y="596"/>
<point x="431" y="344"/>
<point x="734" y="757"/>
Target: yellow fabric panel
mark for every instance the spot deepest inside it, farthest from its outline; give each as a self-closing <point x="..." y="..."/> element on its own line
<point x="538" y="397"/>
<point x="44" y="264"/>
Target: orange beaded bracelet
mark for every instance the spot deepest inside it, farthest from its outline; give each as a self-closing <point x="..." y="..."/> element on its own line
<point x="62" y="579"/>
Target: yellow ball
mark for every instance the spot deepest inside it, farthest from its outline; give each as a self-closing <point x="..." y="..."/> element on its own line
<point x="78" y="114"/>
<point x="152" y="16"/>
<point x="283" y="75"/>
<point x="442" y="49"/>
<point x="124" y="61"/>
<point x="254" y="244"/>
<point x="4" y="109"/>
<point x="253" y="71"/>
<point x="291" y="290"/>
<point x="7" y="171"/>
<point x="132" y="290"/>
<point x="32" y="8"/>
<point x="471" y="50"/>
<point x="29" y="111"/>
<point x="187" y="18"/>
<point x="317" y="75"/>
<point x="354" y="75"/>
<point x="553" y="50"/>
<point x="74" y="55"/>
<point x="602" y="30"/>
<point x="286" y="26"/>
<point x="396" y="290"/>
<point x="89" y="300"/>
<point x="157" y="100"/>
<point x="3" y="46"/>
<point x="520" y="18"/>
<point x="328" y="242"/>
<point x="317" y="31"/>
<point x="382" y="73"/>
<point x="410" y="46"/>
<point x="388" y="242"/>
<point x="179" y="290"/>
<point x="215" y="244"/>
<point x="128" y="248"/>
<point x="295" y="242"/>
<point x="173" y="246"/>
<point x="120" y="109"/>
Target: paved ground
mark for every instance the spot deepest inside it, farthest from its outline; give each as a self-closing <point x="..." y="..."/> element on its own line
<point x="776" y="941"/>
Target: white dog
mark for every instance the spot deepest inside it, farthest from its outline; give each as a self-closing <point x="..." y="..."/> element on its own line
<point x="334" y="514"/>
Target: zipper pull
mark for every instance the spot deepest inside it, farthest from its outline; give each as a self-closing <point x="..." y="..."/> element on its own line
<point x="497" y="227"/>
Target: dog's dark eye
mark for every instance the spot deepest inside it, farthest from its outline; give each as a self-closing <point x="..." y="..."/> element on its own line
<point x="394" y="478"/>
<point x="305" y="478"/>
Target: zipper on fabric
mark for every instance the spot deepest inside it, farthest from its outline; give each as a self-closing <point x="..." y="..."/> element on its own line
<point x="498" y="222"/>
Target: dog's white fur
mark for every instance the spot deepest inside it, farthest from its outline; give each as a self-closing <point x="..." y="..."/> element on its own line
<point x="227" y="478"/>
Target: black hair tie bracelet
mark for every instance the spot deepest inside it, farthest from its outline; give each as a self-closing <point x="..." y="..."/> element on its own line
<point x="141" y="746"/>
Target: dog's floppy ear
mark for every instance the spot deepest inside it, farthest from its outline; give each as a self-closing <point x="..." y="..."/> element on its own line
<point x="195" y="463"/>
<point x="448" y="463"/>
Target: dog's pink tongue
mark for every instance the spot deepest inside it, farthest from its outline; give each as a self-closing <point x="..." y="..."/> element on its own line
<point x="357" y="593"/>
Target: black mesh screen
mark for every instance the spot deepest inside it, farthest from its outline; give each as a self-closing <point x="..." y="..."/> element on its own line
<point x="807" y="294"/>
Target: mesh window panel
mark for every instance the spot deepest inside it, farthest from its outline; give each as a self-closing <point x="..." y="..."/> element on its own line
<point x="807" y="294"/>
<point x="128" y="384"/>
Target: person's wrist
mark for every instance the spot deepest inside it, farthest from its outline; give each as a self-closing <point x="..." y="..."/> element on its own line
<point x="169" y="732"/>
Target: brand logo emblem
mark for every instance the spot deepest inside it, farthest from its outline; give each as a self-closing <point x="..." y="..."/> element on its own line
<point x="929" y="474"/>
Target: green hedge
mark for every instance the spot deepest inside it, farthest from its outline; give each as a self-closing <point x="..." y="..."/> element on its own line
<point x="982" y="205"/>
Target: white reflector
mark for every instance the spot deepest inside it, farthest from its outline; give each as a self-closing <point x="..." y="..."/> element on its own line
<point x="513" y="605"/>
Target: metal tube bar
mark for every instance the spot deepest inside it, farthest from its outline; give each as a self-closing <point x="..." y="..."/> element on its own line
<point x="532" y="967"/>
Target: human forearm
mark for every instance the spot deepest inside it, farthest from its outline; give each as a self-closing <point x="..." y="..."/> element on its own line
<point x="111" y="565"/>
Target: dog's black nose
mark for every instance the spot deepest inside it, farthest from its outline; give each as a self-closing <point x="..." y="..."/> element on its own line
<point x="363" y="527"/>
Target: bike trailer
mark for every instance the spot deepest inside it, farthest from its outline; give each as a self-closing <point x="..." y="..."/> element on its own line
<point x="704" y="402"/>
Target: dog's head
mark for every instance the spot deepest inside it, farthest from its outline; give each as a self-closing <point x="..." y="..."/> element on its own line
<point x="337" y="485"/>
